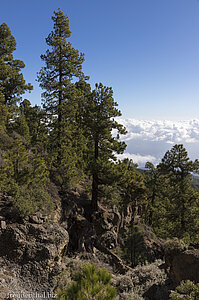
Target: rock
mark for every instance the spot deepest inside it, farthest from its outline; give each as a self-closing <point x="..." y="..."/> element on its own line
<point x="30" y="257"/>
<point x="157" y="292"/>
<point x="115" y="261"/>
<point x="184" y="266"/>
<point x="151" y="243"/>
<point x="7" y="210"/>
<point x="81" y="233"/>
<point x="33" y="242"/>
<point x="35" y="219"/>
<point x="107" y="224"/>
<point x="3" y="225"/>
<point x="109" y="239"/>
<point x="126" y="217"/>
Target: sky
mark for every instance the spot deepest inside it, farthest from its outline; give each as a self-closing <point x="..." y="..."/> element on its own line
<point x="146" y="50"/>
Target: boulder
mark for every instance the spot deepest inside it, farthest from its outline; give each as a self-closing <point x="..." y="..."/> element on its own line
<point x="81" y="235"/>
<point x="33" y="242"/>
<point x="184" y="266"/>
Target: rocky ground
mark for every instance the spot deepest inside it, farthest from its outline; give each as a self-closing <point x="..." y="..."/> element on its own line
<point x="38" y="254"/>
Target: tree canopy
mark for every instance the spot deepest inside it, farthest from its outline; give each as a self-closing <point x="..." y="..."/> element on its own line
<point x="12" y="83"/>
<point x="75" y="136"/>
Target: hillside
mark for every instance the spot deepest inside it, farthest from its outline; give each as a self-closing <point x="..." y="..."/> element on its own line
<point x="66" y="201"/>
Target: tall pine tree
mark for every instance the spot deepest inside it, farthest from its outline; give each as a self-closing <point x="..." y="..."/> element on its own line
<point x="177" y="167"/>
<point x="101" y="109"/>
<point x="63" y="64"/>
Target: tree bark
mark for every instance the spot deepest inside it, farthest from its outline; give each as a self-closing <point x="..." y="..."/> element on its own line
<point x="95" y="183"/>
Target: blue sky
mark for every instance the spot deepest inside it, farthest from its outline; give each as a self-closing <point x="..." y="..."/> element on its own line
<point x="147" y="50"/>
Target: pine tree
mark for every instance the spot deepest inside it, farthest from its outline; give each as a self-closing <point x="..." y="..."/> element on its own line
<point x="176" y="208"/>
<point x="36" y="120"/>
<point x="178" y="167"/>
<point x="18" y="155"/>
<point x="131" y="184"/>
<point x="12" y="83"/>
<point x="133" y="250"/>
<point x="63" y="64"/>
<point x="100" y="112"/>
<point x="153" y="182"/>
<point x="22" y="128"/>
<point x="4" y="113"/>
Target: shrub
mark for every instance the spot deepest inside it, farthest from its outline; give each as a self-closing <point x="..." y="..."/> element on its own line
<point x="174" y="245"/>
<point x="89" y="283"/>
<point x="31" y="199"/>
<point x="135" y="283"/>
<point x="187" y="290"/>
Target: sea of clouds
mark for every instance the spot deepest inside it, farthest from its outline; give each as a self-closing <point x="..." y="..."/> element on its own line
<point x="148" y="140"/>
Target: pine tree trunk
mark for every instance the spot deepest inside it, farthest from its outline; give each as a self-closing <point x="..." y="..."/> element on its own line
<point x="94" y="204"/>
<point x="59" y="157"/>
<point x="182" y="213"/>
<point x="151" y="208"/>
<point x="95" y="183"/>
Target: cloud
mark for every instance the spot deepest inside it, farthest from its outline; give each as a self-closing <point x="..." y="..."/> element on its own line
<point x="167" y="131"/>
<point x="148" y="140"/>
<point x="137" y="158"/>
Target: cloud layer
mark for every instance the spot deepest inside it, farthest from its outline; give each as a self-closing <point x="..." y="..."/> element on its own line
<point x="148" y="140"/>
<point x="137" y="158"/>
<point x="168" y="131"/>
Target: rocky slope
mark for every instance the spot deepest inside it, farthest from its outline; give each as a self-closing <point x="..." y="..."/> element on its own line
<point x="39" y="253"/>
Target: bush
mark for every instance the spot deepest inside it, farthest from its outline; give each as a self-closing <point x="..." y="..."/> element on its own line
<point x="187" y="290"/>
<point x="174" y="245"/>
<point x="134" y="284"/>
<point x="31" y="199"/>
<point x="89" y="283"/>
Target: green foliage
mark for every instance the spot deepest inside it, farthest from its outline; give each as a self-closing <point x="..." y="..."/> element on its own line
<point x="63" y="65"/>
<point x="5" y="140"/>
<point x="36" y="119"/>
<point x="187" y="290"/>
<point x="89" y="283"/>
<point x="174" y="245"/>
<point x="12" y="83"/>
<point x="38" y="171"/>
<point x="25" y="181"/>
<point x="24" y="166"/>
<point x="172" y="207"/>
<point x="100" y="111"/>
<point x="4" y="113"/>
<point x="24" y="175"/>
<point x="130" y="183"/>
<point x="153" y="184"/>
<point x="177" y="164"/>
<point x="7" y="183"/>
<point x="16" y="162"/>
<point x="76" y="134"/>
<point x="22" y="128"/>
<point x="133" y="251"/>
<point x="32" y="198"/>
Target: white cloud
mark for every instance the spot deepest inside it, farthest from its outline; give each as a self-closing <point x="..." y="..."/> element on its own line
<point x="148" y="140"/>
<point x="167" y="131"/>
<point x="137" y="158"/>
